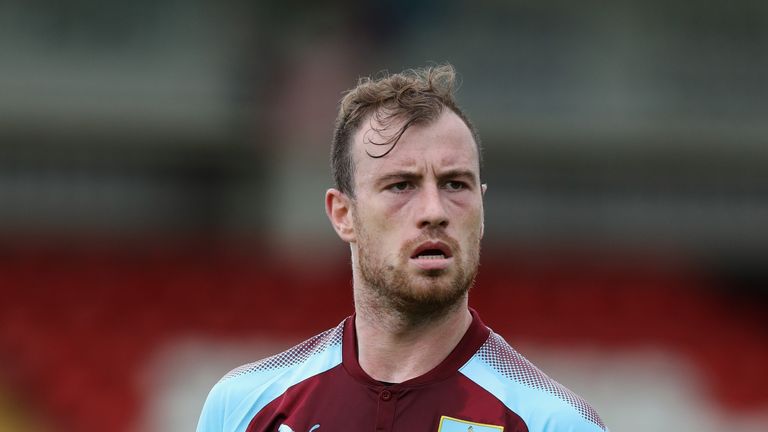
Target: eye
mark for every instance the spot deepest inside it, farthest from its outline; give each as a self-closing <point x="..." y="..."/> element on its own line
<point x="455" y="185"/>
<point x="400" y="186"/>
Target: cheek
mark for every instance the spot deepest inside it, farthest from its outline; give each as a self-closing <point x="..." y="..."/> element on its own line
<point x="376" y="226"/>
<point x="467" y="207"/>
<point x="395" y="206"/>
<point x="467" y="202"/>
<point x="385" y="211"/>
<point x="473" y="224"/>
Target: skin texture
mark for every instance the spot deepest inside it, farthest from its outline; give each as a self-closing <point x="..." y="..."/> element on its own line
<point x="411" y="312"/>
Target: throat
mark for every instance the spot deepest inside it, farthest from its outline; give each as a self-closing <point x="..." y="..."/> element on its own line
<point x="395" y="356"/>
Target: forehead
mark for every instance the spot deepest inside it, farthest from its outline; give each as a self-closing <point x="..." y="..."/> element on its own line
<point x="445" y="142"/>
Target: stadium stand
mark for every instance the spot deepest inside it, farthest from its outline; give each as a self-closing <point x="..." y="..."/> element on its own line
<point x="78" y="325"/>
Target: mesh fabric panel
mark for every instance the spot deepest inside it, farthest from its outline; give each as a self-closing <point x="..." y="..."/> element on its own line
<point x="298" y="354"/>
<point x="497" y="353"/>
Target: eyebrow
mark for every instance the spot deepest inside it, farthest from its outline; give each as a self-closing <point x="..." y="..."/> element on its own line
<point x="398" y="176"/>
<point x="409" y="175"/>
<point x="458" y="173"/>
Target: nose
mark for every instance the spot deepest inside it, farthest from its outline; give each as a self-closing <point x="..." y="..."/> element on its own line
<point x="432" y="212"/>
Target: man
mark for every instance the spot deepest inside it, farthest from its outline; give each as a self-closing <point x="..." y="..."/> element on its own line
<point x="413" y="357"/>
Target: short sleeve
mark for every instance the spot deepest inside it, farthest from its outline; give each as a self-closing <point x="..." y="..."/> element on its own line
<point x="212" y="415"/>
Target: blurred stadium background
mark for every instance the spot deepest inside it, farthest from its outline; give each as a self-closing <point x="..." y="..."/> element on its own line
<point x="162" y="166"/>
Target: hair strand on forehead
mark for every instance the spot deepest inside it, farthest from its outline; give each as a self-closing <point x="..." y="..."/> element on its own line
<point x="390" y="141"/>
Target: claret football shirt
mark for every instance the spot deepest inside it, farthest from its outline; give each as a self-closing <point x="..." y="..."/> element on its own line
<point x="482" y="386"/>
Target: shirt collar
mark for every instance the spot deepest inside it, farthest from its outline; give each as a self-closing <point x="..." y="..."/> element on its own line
<point x="473" y="339"/>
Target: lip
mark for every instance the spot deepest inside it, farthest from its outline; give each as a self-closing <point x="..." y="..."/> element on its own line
<point x="438" y="245"/>
<point x="432" y="263"/>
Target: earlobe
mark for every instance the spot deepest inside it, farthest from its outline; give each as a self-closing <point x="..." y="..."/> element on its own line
<point x="483" y="188"/>
<point x="338" y="207"/>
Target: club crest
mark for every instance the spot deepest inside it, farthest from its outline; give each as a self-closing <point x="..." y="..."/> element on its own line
<point x="450" y="424"/>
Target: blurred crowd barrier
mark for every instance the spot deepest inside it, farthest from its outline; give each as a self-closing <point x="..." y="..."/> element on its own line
<point x="83" y="330"/>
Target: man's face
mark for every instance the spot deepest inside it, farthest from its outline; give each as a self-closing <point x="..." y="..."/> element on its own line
<point x="418" y="214"/>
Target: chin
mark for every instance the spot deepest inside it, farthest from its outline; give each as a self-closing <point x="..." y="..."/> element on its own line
<point x="436" y="289"/>
<point x="435" y="274"/>
<point x="425" y="302"/>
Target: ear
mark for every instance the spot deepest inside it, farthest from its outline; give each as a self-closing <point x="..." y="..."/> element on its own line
<point x="338" y="207"/>
<point x="483" y="188"/>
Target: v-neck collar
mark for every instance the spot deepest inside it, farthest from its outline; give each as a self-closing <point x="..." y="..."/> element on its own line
<point x="473" y="339"/>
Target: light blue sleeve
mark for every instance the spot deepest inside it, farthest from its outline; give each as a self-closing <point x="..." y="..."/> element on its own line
<point x="541" y="411"/>
<point x="238" y="397"/>
<point x="235" y="400"/>
<point x="212" y="416"/>
<point x="567" y="420"/>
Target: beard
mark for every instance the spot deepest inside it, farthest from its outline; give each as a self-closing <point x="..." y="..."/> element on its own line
<point x="423" y="295"/>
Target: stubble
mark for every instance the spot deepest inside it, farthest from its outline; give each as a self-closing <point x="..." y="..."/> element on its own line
<point x="415" y="297"/>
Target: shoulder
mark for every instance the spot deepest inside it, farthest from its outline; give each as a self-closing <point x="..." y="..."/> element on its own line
<point x="244" y="391"/>
<point x="544" y="404"/>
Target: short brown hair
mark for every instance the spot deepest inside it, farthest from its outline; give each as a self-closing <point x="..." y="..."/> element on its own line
<point x="416" y="96"/>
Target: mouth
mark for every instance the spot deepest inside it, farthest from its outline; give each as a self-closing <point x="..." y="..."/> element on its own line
<point x="432" y="251"/>
<point x="433" y="255"/>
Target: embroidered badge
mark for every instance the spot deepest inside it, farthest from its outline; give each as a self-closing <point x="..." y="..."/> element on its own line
<point x="450" y="424"/>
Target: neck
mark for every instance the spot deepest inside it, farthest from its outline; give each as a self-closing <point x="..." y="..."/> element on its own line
<point x="395" y="348"/>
